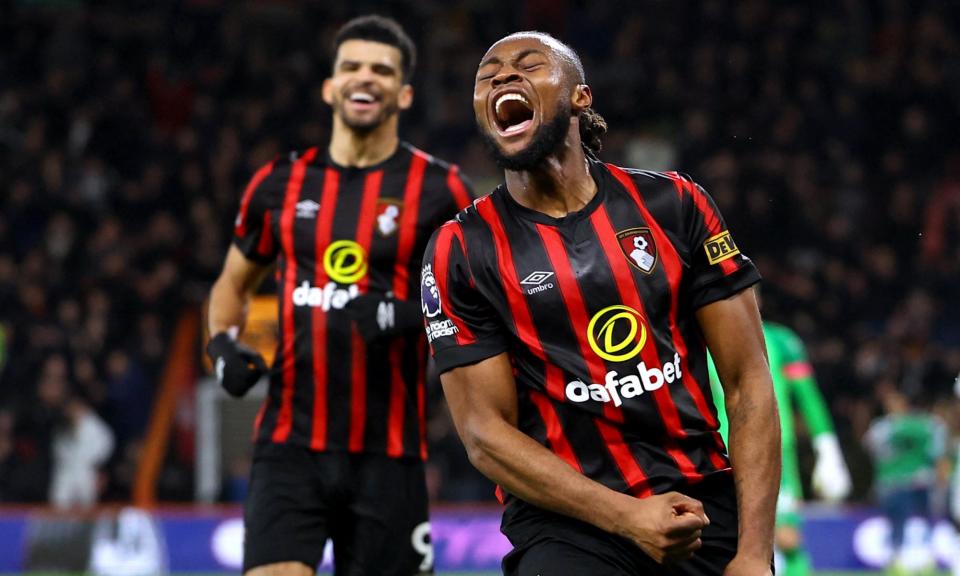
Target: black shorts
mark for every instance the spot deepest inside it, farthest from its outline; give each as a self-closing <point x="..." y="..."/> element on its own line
<point x="373" y="507"/>
<point x="550" y="544"/>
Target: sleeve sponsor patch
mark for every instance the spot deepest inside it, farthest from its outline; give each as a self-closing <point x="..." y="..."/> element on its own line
<point x="441" y="328"/>
<point x="720" y="247"/>
<point x="429" y="293"/>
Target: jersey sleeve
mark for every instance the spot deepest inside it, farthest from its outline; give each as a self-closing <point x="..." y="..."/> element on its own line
<point x="450" y="193"/>
<point x="462" y="327"/>
<point x="252" y="228"/>
<point x="798" y="373"/>
<point x="456" y="195"/>
<point x="718" y="268"/>
<point x="461" y="191"/>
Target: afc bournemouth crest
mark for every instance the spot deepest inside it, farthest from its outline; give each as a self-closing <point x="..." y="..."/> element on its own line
<point x="639" y="248"/>
<point x="388" y="216"/>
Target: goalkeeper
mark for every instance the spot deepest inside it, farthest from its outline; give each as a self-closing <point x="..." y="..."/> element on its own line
<point x="794" y="385"/>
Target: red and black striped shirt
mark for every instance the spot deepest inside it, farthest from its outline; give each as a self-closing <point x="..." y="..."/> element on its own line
<point x="597" y="311"/>
<point x="339" y="232"/>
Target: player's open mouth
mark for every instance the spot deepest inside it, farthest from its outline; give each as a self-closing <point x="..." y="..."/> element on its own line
<point x="362" y="100"/>
<point x="512" y="113"/>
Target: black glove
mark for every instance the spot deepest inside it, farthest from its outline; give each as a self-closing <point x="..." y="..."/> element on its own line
<point x="378" y="315"/>
<point x="237" y="367"/>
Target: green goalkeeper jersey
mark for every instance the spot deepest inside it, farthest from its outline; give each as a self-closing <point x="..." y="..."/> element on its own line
<point x="794" y="385"/>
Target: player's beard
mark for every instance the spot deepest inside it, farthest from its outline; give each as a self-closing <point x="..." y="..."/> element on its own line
<point x="545" y="141"/>
<point x="366" y="126"/>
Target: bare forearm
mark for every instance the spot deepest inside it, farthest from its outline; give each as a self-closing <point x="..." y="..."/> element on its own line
<point x="755" y="454"/>
<point x="483" y="403"/>
<point x="534" y="474"/>
<point x="231" y="293"/>
<point x="228" y="308"/>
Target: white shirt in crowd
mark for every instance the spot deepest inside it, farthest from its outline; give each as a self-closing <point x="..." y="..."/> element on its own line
<point x="78" y="451"/>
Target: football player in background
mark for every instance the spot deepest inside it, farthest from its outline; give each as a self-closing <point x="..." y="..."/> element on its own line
<point x="341" y="439"/>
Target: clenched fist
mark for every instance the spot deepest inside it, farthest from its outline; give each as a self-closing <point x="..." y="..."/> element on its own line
<point x="666" y="527"/>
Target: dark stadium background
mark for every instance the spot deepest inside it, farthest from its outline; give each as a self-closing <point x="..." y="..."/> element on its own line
<point x="826" y="132"/>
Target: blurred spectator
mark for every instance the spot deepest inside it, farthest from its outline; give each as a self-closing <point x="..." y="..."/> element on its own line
<point x="8" y="456"/>
<point x="81" y="444"/>
<point x="910" y="463"/>
<point x="128" y="395"/>
<point x="236" y="480"/>
<point x="36" y="428"/>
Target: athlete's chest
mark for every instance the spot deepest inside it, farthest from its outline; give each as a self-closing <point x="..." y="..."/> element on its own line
<point x="616" y="255"/>
<point x="352" y="222"/>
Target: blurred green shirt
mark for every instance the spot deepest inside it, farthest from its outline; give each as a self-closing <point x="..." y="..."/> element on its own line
<point x="905" y="450"/>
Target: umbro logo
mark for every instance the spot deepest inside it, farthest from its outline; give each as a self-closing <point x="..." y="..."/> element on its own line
<point x="536" y="278"/>
<point x="307" y="209"/>
<point x="538" y="281"/>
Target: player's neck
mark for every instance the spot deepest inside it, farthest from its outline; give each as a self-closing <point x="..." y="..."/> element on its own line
<point x="349" y="147"/>
<point x="561" y="184"/>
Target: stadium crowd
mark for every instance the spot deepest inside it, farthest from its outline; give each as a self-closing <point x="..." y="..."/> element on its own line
<point x="827" y="137"/>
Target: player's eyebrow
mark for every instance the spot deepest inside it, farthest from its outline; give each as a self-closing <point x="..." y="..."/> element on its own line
<point x="372" y="63"/>
<point x="528" y="52"/>
<point x="490" y="60"/>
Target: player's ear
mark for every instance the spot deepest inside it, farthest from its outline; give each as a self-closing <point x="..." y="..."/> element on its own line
<point x="405" y="98"/>
<point x="326" y="90"/>
<point x="581" y="99"/>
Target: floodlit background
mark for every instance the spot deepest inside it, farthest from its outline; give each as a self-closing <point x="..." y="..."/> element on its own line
<point x="827" y="135"/>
